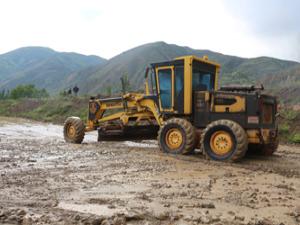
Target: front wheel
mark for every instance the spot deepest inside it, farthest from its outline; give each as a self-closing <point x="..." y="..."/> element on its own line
<point x="177" y="136"/>
<point x="224" y="140"/>
<point x="74" y="130"/>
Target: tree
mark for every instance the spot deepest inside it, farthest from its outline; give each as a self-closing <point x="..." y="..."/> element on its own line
<point x="125" y="82"/>
<point x="108" y="90"/>
<point x="28" y="91"/>
<point x="3" y="94"/>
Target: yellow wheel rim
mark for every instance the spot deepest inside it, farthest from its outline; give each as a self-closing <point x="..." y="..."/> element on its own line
<point x="71" y="131"/>
<point x="174" y="139"/>
<point x="221" y="142"/>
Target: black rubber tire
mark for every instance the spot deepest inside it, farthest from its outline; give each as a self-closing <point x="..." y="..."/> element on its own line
<point x="187" y="130"/>
<point x="79" y="126"/>
<point x="238" y="136"/>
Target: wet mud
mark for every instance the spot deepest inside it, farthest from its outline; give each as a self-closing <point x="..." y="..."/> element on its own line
<point x="44" y="180"/>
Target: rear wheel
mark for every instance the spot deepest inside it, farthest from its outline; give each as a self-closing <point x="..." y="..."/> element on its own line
<point x="177" y="136"/>
<point x="74" y="130"/>
<point x="224" y="140"/>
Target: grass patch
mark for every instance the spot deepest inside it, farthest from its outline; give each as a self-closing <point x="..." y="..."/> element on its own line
<point x="295" y="138"/>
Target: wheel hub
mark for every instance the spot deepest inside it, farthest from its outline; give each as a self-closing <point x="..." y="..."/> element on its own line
<point x="174" y="139"/>
<point x="71" y="131"/>
<point x="221" y="142"/>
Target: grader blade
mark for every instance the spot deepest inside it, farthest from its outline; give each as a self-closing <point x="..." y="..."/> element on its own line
<point x="141" y="132"/>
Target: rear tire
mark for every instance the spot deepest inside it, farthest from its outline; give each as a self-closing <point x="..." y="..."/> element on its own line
<point x="177" y="136"/>
<point x="74" y="130"/>
<point x="224" y="140"/>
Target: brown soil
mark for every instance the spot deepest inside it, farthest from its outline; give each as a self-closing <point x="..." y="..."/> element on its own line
<point x="44" y="180"/>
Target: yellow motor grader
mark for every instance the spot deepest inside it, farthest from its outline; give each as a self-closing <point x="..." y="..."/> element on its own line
<point x="184" y="107"/>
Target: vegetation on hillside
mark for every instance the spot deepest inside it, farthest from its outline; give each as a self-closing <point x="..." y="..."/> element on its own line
<point x="52" y="109"/>
<point x="24" y="91"/>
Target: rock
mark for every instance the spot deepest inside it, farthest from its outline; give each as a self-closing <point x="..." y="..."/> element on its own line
<point x="188" y="218"/>
<point x="162" y="216"/>
<point x="206" y="219"/>
<point x="167" y="205"/>
<point x="105" y="222"/>
<point x="231" y="213"/>
<point x="209" y="205"/>
<point x="285" y="186"/>
<point x="119" y="221"/>
<point x="31" y="160"/>
<point x="98" y="221"/>
<point x="241" y="218"/>
<point x="77" y="217"/>
<point x="175" y="217"/>
<point x="264" y="222"/>
<point x="192" y="185"/>
<point x="132" y="215"/>
<point x="21" y="212"/>
<point x="27" y="221"/>
<point x="183" y="194"/>
<point x="111" y="206"/>
<point x="13" y="218"/>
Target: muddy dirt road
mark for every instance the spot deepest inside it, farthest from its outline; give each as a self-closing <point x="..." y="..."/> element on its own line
<point x="43" y="180"/>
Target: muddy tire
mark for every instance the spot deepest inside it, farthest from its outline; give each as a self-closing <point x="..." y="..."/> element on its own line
<point x="224" y="140"/>
<point x="74" y="130"/>
<point x="177" y="136"/>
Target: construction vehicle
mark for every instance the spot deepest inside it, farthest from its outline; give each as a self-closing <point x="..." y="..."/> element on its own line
<point x="184" y="106"/>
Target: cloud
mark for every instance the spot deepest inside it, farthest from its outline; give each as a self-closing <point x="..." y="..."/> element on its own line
<point x="274" y="22"/>
<point x="246" y="28"/>
<point x="268" y="17"/>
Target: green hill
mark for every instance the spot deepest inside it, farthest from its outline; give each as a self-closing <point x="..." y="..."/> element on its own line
<point x="235" y="70"/>
<point x="56" y="71"/>
<point x="42" y="67"/>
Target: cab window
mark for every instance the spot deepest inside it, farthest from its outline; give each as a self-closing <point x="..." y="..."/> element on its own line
<point x="202" y="81"/>
<point x="152" y="83"/>
<point x="165" y="86"/>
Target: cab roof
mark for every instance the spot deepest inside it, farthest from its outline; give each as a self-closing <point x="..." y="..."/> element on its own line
<point x="180" y="60"/>
<point x="204" y="59"/>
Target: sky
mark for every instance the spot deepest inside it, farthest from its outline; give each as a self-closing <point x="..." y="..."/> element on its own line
<point x="245" y="28"/>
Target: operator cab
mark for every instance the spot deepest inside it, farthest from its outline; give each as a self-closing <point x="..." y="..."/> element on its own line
<point x="174" y="82"/>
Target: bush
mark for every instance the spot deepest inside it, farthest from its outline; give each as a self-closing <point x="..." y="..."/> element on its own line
<point x="28" y="91"/>
<point x="290" y="114"/>
<point x="284" y="128"/>
<point x="295" y="138"/>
